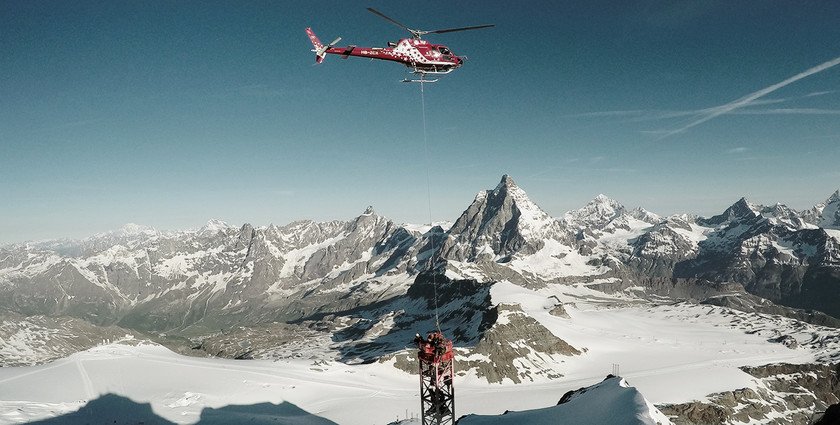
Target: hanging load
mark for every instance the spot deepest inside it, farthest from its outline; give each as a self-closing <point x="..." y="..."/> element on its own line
<point x="437" y="394"/>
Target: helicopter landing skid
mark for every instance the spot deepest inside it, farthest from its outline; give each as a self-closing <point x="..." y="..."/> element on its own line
<point x="422" y="80"/>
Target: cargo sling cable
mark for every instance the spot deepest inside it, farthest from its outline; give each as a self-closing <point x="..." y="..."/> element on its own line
<point x="429" y="199"/>
<point x="436" y="358"/>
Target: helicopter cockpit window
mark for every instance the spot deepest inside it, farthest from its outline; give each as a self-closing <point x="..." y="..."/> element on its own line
<point x="443" y="50"/>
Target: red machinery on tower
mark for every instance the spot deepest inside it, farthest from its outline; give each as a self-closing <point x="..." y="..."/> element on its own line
<point x="437" y="394"/>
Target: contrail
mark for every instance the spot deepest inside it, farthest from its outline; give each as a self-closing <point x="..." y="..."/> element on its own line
<point x="746" y="100"/>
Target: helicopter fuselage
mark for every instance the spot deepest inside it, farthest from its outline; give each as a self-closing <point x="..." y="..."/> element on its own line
<point x="420" y="55"/>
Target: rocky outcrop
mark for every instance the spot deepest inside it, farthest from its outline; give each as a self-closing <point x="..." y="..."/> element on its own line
<point x="26" y="341"/>
<point x="267" y="341"/>
<point x="516" y="347"/>
<point x="753" y="304"/>
<point x="831" y="416"/>
<point x="786" y="394"/>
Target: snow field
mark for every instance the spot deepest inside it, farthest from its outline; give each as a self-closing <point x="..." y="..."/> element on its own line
<point x="671" y="353"/>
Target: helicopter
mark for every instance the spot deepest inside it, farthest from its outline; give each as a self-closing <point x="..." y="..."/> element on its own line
<point x="415" y="53"/>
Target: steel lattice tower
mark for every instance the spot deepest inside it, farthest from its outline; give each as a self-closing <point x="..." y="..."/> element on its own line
<point x="437" y="393"/>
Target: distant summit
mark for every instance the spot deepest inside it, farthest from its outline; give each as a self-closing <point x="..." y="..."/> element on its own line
<point x="498" y="224"/>
<point x="596" y="213"/>
<point x="214" y="226"/>
<point x="740" y="209"/>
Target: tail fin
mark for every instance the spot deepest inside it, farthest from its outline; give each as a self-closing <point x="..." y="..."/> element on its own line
<point x="320" y="50"/>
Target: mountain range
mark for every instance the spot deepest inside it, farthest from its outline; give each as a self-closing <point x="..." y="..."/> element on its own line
<point x="357" y="291"/>
<point x="220" y="275"/>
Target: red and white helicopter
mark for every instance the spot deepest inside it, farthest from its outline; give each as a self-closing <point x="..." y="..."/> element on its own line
<point x="418" y="54"/>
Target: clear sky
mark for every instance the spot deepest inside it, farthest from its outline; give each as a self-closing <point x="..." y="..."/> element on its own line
<point x="169" y="113"/>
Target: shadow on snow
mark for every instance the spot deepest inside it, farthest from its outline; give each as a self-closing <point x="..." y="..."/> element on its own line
<point x="462" y="307"/>
<point x="119" y="410"/>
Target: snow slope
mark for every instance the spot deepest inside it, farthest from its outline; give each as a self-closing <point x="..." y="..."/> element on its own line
<point x="182" y="389"/>
<point x="670" y="352"/>
<point x="674" y="351"/>
<point x="612" y="401"/>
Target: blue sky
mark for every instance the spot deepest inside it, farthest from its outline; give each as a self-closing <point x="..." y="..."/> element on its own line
<point x="171" y="113"/>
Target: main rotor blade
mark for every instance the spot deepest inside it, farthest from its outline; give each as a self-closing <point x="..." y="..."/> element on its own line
<point x="458" y="29"/>
<point x="382" y="15"/>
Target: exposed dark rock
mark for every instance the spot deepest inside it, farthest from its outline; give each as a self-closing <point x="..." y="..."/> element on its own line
<point x="831" y="416"/>
<point x="754" y="304"/>
<point x="43" y="339"/>
<point x="790" y="392"/>
<point x="510" y="340"/>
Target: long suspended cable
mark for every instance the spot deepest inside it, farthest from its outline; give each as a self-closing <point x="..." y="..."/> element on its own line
<point x="429" y="198"/>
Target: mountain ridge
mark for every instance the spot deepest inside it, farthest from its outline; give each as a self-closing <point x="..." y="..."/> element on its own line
<point x="172" y="280"/>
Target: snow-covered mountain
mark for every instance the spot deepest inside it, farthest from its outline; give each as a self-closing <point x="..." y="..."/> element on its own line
<point x="358" y="290"/>
<point x="215" y="275"/>
<point x="501" y="224"/>
<point x="220" y="275"/>
<point x="825" y="214"/>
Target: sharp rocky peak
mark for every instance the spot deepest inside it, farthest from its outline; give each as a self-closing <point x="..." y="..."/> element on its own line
<point x="739" y="210"/>
<point x="829" y="213"/>
<point x="743" y="208"/>
<point x="507" y="188"/>
<point x="503" y="219"/>
<point x="369" y="215"/>
<point x="506" y="182"/>
<point x="367" y="221"/>
<point x="835" y="197"/>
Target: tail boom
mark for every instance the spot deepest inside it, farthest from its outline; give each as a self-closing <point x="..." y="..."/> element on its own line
<point x="320" y="50"/>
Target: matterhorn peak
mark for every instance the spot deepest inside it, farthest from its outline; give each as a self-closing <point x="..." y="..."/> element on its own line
<point x="507" y="188"/>
<point x="507" y="182"/>
<point x="502" y="219"/>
